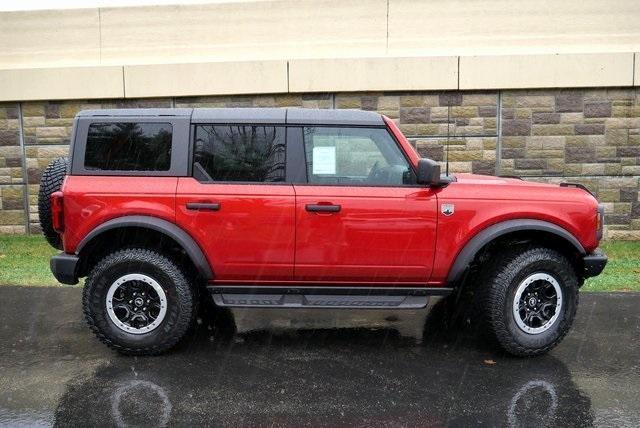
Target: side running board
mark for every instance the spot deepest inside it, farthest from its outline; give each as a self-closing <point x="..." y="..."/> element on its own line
<point x="325" y="297"/>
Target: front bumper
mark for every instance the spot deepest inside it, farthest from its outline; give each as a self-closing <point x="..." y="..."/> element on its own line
<point x="63" y="267"/>
<point x="594" y="263"/>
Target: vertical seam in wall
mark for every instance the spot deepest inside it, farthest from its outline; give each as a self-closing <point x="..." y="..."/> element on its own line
<point x="633" y="71"/>
<point x="333" y="101"/>
<point x="100" y="35"/>
<point x="25" y="176"/>
<point x="458" y="73"/>
<point x="288" y="87"/>
<point x="499" y="131"/>
<point x="124" y="88"/>
<point x="387" y="38"/>
<point x="173" y="102"/>
<point x="635" y="94"/>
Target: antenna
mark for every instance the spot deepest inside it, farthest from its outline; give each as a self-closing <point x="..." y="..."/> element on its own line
<point x="446" y="173"/>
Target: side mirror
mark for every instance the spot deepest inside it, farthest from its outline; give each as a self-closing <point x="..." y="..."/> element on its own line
<point x="428" y="172"/>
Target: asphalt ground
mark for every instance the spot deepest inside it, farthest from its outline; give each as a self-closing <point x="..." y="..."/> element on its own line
<point x="315" y="368"/>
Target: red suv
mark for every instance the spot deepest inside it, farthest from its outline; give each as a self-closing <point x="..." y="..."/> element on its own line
<point x="295" y="208"/>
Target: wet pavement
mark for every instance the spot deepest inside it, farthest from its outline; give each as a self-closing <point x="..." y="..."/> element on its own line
<point x="315" y="368"/>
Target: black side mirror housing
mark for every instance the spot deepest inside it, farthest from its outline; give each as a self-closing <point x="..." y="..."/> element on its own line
<point x="428" y="172"/>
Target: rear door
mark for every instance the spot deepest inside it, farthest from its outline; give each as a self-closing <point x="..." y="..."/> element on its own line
<point x="360" y="215"/>
<point x="237" y="204"/>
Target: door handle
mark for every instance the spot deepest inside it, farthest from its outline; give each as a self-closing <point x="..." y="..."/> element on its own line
<point x="317" y="208"/>
<point x="203" y="206"/>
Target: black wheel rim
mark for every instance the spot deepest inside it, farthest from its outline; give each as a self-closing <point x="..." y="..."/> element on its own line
<point x="136" y="303"/>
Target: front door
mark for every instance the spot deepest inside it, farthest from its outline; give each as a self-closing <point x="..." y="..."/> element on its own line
<point x="237" y="205"/>
<point x="360" y="217"/>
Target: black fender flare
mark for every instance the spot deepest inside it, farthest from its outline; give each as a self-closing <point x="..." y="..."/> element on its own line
<point x="165" y="227"/>
<point x="471" y="248"/>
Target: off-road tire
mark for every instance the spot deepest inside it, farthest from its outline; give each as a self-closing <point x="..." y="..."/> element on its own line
<point x="499" y="281"/>
<point x="181" y="294"/>
<point x="51" y="181"/>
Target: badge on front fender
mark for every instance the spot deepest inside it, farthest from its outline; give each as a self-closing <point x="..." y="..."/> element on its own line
<point x="447" y="209"/>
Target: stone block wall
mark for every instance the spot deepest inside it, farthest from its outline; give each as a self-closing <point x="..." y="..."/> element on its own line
<point x="584" y="136"/>
<point x="590" y="137"/>
<point x="13" y="213"/>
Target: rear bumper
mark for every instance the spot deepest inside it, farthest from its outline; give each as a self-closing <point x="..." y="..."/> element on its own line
<point x="594" y="263"/>
<point x="63" y="267"/>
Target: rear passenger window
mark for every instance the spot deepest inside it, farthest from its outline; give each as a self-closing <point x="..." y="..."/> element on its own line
<point x="239" y="153"/>
<point x="128" y="146"/>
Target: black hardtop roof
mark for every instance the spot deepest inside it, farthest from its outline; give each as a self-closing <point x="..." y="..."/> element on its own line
<point x="136" y="112"/>
<point x="250" y="115"/>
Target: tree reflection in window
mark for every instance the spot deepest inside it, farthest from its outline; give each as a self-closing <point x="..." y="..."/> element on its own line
<point x="128" y="146"/>
<point x="241" y="153"/>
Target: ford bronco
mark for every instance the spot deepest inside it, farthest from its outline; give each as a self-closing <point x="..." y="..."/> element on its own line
<point x="161" y="209"/>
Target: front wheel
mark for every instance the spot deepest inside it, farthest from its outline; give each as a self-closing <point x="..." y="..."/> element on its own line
<point x="529" y="299"/>
<point x="139" y="302"/>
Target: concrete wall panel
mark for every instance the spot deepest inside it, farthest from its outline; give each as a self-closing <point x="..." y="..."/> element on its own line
<point x="61" y="83"/>
<point x="243" y="30"/>
<point x="373" y="74"/>
<point x="249" y="77"/>
<point x="491" y="27"/>
<point x="546" y="71"/>
<point x="49" y="38"/>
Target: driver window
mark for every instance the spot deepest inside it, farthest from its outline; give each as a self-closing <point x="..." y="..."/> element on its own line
<point x="353" y="156"/>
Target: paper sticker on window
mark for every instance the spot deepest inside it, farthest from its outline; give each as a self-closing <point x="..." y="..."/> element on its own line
<point x="324" y="160"/>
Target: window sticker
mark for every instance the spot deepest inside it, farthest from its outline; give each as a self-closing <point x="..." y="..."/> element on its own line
<point x="324" y="160"/>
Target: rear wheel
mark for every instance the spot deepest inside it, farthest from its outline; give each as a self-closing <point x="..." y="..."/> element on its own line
<point x="139" y="302"/>
<point x="529" y="299"/>
<point x="51" y="181"/>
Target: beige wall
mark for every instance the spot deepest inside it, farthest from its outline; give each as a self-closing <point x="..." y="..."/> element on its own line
<point x="318" y="45"/>
<point x="551" y="71"/>
<point x="379" y="74"/>
<point x="49" y="38"/>
<point x="243" y="31"/>
<point x="246" y="77"/>
<point x="255" y="30"/>
<point x="498" y="27"/>
<point x="61" y="83"/>
<point x="321" y="75"/>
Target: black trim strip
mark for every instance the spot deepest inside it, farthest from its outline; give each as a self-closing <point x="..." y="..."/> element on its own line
<point x="172" y="230"/>
<point x="202" y="206"/>
<point x="578" y="186"/>
<point x="334" y="290"/>
<point x="471" y="248"/>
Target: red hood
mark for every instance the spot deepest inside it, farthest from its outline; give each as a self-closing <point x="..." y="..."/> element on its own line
<point x="490" y="187"/>
<point x="490" y="179"/>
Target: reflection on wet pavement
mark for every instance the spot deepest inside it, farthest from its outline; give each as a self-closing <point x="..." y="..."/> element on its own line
<point x="305" y="367"/>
